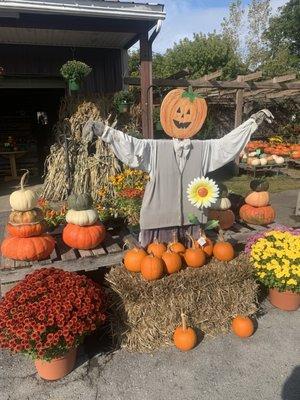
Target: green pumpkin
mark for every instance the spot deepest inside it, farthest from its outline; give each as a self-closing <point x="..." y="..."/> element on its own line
<point x="79" y="202"/>
<point x="259" y="185"/>
<point x="223" y="190"/>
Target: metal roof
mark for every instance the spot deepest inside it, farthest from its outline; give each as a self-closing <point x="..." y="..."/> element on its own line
<point x="93" y="8"/>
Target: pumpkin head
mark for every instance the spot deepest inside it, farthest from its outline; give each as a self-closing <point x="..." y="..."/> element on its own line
<point x="133" y="259"/>
<point x="78" y="202"/>
<point x="257" y="199"/>
<point x="184" y="337"/>
<point x="242" y="326"/>
<point x="257" y="215"/>
<point x="223" y="251"/>
<point x="83" y="237"/>
<point x="26" y="230"/>
<point x="226" y="218"/>
<point x="156" y="248"/>
<point x="26" y="217"/>
<point x="195" y="256"/>
<point x="176" y="246"/>
<point x="82" y="218"/>
<point x="23" y="199"/>
<point x="152" y="268"/>
<point x="172" y="260"/>
<point x="28" y="249"/>
<point x="182" y="113"/>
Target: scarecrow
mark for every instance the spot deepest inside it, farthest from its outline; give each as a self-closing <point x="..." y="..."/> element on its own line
<point x="172" y="191"/>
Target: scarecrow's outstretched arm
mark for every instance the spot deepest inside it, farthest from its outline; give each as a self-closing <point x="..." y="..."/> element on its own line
<point x="136" y="153"/>
<point x="221" y="151"/>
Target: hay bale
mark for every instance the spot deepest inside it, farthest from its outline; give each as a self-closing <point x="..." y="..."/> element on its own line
<point x="145" y="314"/>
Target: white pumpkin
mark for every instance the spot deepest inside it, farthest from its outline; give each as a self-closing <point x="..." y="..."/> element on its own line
<point x="81" y="218"/>
<point x="252" y="154"/>
<point x="279" y="160"/>
<point x="255" y="161"/>
<point x="23" y="199"/>
<point x="263" y="161"/>
<point x="221" y="204"/>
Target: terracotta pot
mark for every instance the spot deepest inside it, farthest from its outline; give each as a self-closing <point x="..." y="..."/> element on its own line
<point x="287" y="301"/>
<point x="56" y="368"/>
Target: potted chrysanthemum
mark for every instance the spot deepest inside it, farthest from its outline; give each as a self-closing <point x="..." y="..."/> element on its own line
<point x="74" y="72"/>
<point x="276" y="261"/>
<point x="47" y="315"/>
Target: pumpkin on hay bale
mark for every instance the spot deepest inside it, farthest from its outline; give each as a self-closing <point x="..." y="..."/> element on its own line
<point x="145" y="314"/>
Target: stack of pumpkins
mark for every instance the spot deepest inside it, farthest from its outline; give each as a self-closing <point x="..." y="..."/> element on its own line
<point x="26" y="228"/>
<point x="160" y="259"/>
<point x="83" y="230"/>
<point x="257" y="210"/>
<point x="221" y="209"/>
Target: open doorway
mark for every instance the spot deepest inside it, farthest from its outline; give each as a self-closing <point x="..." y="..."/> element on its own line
<point x="27" y="117"/>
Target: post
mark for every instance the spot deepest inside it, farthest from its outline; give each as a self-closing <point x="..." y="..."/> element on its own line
<point x="146" y="85"/>
<point x="239" y="101"/>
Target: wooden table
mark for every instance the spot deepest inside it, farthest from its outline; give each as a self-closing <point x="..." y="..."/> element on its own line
<point x="262" y="168"/>
<point x="12" y="156"/>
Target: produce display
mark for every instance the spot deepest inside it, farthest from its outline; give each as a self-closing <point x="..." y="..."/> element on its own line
<point x="83" y="230"/>
<point x="26" y="228"/>
<point x="257" y="210"/>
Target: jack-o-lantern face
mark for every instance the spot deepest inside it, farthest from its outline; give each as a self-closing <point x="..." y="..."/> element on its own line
<point x="182" y="113"/>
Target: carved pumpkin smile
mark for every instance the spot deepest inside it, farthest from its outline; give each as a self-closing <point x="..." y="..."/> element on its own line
<point x="181" y="125"/>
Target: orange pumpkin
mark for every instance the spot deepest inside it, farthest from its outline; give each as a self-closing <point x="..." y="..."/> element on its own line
<point x="208" y="246"/>
<point x="176" y="246"/>
<point x="226" y="218"/>
<point x="257" y="199"/>
<point x="242" y="326"/>
<point x="26" y="217"/>
<point x="83" y="237"/>
<point x="156" y="248"/>
<point x="152" y="267"/>
<point x="182" y="113"/>
<point x="172" y="260"/>
<point x="194" y="256"/>
<point x="28" y="249"/>
<point x="133" y="259"/>
<point x="223" y="251"/>
<point x="184" y="337"/>
<point x="257" y="215"/>
<point x="26" y="230"/>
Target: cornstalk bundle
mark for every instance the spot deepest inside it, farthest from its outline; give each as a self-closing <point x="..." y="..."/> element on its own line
<point x="90" y="160"/>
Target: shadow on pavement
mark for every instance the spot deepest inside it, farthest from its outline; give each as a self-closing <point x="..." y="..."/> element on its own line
<point x="291" y="387"/>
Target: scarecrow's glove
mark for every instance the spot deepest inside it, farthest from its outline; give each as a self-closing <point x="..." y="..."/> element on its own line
<point x="97" y="128"/>
<point x="263" y="115"/>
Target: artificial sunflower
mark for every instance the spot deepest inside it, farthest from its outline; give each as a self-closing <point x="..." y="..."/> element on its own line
<point x="202" y="192"/>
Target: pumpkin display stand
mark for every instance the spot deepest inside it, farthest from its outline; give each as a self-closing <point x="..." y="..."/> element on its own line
<point x="145" y="314"/>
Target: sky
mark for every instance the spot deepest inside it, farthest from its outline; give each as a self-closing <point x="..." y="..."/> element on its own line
<point x="185" y="17"/>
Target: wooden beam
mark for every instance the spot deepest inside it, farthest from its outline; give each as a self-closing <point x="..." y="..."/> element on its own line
<point x="209" y="77"/>
<point x="146" y="86"/>
<point x="283" y="93"/>
<point x="250" y="77"/>
<point x="180" y="74"/>
<point x="276" y="79"/>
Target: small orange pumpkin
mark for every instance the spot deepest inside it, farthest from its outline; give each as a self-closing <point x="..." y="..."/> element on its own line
<point x="257" y="199"/>
<point x="257" y="215"/>
<point x="176" y="246"/>
<point x="172" y="260"/>
<point x="194" y="256"/>
<point x="156" y="248"/>
<point x="83" y="237"/>
<point x="28" y="249"/>
<point x="242" y="326"/>
<point x="184" y="337"/>
<point x="27" y="230"/>
<point x="182" y="113"/>
<point x="133" y="259"/>
<point x="208" y="246"/>
<point x="152" y="267"/>
<point x="223" y="251"/>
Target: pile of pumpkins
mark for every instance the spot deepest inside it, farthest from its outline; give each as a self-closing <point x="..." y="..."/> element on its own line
<point x="257" y="210"/>
<point x="256" y="160"/>
<point x="160" y="259"/>
<point x="220" y="210"/>
<point x="83" y="230"/>
<point x="26" y="228"/>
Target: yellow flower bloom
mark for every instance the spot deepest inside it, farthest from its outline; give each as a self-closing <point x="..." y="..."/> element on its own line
<point x="202" y="192"/>
<point x="291" y="282"/>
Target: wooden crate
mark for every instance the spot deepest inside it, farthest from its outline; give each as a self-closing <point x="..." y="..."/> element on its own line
<point x="109" y="253"/>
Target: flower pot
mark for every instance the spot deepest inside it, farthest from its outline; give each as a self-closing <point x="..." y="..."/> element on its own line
<point x="287" y="301"/>
<point x="123" y="107"/>
<point x="56" y="368"/>
<point x="73" y="85"/>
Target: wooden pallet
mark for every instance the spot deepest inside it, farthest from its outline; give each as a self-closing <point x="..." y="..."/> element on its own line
<point x="109" y="253"/>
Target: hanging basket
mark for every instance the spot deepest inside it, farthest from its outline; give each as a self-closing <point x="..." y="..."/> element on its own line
<point x="123" y="107"/>
<point x="74" y="86"/>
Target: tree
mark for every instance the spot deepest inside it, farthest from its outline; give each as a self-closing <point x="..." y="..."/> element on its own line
<point x="232" y="25"/>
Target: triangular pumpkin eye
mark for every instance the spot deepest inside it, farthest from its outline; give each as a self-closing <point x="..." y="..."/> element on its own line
<point x="179" y="111"/>
<point x="188" y="112"/>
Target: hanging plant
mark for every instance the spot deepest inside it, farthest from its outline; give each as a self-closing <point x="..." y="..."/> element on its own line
<point x="123" y="100"/>
<point x="74" y="72"/>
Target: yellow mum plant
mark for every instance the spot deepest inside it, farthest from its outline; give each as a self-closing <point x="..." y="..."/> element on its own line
<point x="276" y="260"/>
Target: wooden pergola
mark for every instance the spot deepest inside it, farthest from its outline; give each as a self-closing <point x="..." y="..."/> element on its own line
<point x="238" y="92"/>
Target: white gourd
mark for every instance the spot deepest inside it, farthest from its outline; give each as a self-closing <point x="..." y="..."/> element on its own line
<point x="23" y="199"/>
<point x="221" y="204"/>
<point x="82" y="218"/>
<point x="279" y="160"/>
<point x="255" y="161"/>
<point x="252" y="154"/>
<point x="263" y="161"/>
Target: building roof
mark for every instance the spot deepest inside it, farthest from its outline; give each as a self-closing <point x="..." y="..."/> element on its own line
<point x="92" y="8"/>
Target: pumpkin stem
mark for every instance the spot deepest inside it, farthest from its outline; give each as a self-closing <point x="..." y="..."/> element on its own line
<point x="183" y="320"/>
<point x="175" y="237"/>
<point x="23" y="179"/>
<point x="192" y="240"/>
<point x="221" y="235"/>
